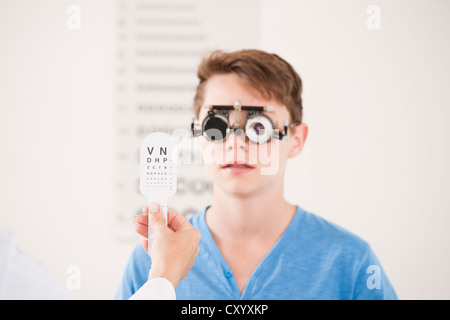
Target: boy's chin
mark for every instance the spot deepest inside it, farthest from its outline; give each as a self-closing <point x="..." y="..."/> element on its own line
<point x="239" y="188"/>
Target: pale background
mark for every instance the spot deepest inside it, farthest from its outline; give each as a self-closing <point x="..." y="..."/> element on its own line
<point x="376" y="160"/>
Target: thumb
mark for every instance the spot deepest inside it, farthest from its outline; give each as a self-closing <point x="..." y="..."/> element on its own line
<point x="156" y="219"/>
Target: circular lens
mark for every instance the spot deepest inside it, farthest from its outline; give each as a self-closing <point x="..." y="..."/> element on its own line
<point x="215" y="128"/>
<point x="259" y="129"/>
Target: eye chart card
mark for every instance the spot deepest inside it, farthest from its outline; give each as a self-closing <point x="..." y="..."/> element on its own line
<point x="159" y="44"/>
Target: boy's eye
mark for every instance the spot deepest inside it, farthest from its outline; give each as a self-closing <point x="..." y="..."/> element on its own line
<point x="215" y="128"/>
<point x="259" y="128"/>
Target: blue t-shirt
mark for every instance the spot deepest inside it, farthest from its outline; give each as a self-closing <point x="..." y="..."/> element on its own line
<point x="313" y="259"/>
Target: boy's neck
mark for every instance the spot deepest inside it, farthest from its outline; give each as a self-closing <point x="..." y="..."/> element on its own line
<point x="257" y="215"/>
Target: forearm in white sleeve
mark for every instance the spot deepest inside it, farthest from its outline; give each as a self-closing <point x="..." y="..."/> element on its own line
<point x="22" y="278"/>
<point x="155" y="289"/>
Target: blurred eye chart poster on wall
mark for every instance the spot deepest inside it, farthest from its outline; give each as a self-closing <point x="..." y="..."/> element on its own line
<point x="159" y="44"/>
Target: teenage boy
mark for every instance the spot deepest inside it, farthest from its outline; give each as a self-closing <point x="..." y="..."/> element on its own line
<point x="255" y="244"/>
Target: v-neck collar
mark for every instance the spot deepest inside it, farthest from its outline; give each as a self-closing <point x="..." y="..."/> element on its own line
<point x="227" y="270"/>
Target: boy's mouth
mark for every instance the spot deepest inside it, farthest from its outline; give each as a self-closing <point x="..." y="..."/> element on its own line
<point x="237" y="168"/>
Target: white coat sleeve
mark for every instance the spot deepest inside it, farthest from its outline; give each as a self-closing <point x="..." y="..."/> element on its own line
<point x="22" y="278"/>
<point x="155" y="289"/>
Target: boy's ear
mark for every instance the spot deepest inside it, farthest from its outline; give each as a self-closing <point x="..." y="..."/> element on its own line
<point x="297" y="140"/>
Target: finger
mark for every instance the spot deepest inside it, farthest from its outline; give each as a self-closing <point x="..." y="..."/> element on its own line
<point x="141" y="229"/>
<point x="177" y="221"/>
<point x="141" y="219"/>
<point x="156" y="218"/>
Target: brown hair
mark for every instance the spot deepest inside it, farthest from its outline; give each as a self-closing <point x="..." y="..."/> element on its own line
<point x="272" y="76"/>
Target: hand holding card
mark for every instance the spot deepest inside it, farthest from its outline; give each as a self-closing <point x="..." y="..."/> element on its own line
<point x="158" y="169"/>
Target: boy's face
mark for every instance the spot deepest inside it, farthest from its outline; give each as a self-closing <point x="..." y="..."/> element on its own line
<point x="236" y="165"/>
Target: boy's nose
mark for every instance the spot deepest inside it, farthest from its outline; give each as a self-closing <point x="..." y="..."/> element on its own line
<point x="236" y="140"/>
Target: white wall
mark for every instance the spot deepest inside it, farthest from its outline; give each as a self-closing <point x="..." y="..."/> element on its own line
<point x="56" y="137"/>
<point x="377" y="105"/>
<point x="375" y="161"/>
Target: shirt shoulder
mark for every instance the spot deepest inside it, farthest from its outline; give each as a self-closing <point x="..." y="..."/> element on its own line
<point x="351" y="257"/>
<point x="328" y="234"/>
